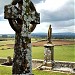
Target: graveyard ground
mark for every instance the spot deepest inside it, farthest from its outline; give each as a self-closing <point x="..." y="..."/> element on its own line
<point x="7" y="71"/>
<point x="61" y="53"/>
<point x="64" y="50"/>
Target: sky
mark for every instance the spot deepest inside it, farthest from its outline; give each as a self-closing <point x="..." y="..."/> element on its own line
<point x="57" y="13"/>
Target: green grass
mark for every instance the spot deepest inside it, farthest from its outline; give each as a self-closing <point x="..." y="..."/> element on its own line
<point x="8" y="71"/>
<point x="38" y="72"/>
<point x="64" y="53"/>
<point x="5" y="47"/>
<point x="33" y="40"/>
<point x="37" y="52"/>
<point x="61" y="53"/>
<point x="7" y="42"/>
<point x="5" y="70"/>
<point x="5" y="53"/>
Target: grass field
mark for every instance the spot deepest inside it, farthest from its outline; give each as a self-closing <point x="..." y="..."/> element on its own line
<point x="5" y="53"/>
<point x="7" y="42"/>
<point x="8" y="71"/>
<point x="65" y="53"/>
<point x="61" y="53"/>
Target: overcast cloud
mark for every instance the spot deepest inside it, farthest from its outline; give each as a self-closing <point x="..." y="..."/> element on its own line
<point x="66" y="12"/>
<point x="58" y="13"/>
<point x="61" y="19"/>
<point x="37" y="1"/>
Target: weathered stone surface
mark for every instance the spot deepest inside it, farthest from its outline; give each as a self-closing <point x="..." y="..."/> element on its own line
<point x="49" y="34"/>
<point x="49" y="50"/>
<point x="20" y="14"/>
<point x="49" y="53"/>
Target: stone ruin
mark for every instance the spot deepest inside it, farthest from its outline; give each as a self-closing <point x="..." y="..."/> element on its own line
<point x="49" y="63"/>
<point x="48" y="52"/>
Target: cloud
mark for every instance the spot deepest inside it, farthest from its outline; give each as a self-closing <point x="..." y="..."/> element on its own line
<point x="58" y="13"/>
<point x="66" y="12"/>
<point x="63" y="26"/>
<point x="61" y="18"/>
<point x="2" y="4"/>
<point x="50" y="5"/>
<point x="42" y="27"/>
<point x="57" y="26"/>
<point x="5" y="28"/>
<point x="1" y="11"/>
<point x="64" y="23"/>
<point x="64" y="29"/>
<point x="1" y="17"/>
<point x="37" y="1"/>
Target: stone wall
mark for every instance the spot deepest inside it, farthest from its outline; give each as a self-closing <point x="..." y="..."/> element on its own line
<point x="3" y="60"/>
<point x="64" y="64"/>
<point x="58" y="64"/>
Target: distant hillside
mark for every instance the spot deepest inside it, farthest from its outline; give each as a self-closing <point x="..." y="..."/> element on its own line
<point x="44" y="35"/>
<point x="7" y="35"/>
<point x="39" y="34"/>
<point x="64" y="35"/>
<point x="56" y="35"/>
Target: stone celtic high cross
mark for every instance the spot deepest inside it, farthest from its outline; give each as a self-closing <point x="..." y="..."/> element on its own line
<point x="22" y="17"/>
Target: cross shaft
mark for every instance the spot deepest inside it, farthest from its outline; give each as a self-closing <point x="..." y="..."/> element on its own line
<point x="20" y="14"/>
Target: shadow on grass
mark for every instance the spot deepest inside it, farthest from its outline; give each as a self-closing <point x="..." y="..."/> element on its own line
<point x="5" y="70"/>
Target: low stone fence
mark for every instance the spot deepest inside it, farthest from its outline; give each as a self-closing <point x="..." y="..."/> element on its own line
<point x="3" y="60"/>
<point x="57" y="64"/>
<point x="64" y="64"/>
<point x="33" y="60"/>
